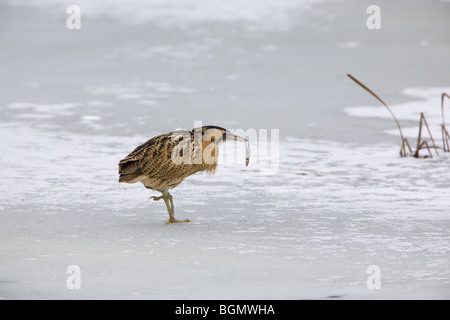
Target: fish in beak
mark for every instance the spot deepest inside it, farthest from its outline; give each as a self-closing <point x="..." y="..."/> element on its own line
<point x="232" y="137"/>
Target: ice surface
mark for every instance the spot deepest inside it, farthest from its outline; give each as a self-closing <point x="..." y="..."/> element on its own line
<point x="339" y="200"/>
<point x="257" y="14"/>
<point x="428" y="101"/>
<point x="309" y="231"/>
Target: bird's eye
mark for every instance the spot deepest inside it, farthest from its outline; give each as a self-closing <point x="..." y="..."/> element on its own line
<point x="213" y="139"/>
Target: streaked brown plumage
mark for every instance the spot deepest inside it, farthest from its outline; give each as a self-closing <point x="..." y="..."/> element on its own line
<point x="163" y="162"/>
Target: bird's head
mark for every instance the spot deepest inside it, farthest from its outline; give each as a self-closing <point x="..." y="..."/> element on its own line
<point x="217" y="135"/>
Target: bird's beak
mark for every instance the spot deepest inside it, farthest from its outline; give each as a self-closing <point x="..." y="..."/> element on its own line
<point x="232" y="137"/>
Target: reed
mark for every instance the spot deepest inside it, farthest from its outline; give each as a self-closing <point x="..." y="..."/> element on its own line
<point x="445" y="134"/>
<point x="405" y="149"/>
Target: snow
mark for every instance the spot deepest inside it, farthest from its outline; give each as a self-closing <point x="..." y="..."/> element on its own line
<point x="303" y="221"/>
<point x="426" y="100"/>
<point x="330" y="212"/>
<point x="257" y="14"/>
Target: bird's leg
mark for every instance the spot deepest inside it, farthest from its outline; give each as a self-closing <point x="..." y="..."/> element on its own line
<point x="170" y="208"/>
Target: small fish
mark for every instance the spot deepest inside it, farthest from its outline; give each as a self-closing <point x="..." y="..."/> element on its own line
<point x="247" y="152"/>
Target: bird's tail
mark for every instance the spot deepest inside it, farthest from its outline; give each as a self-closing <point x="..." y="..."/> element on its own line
<point x="129" y="171"/>
<point x="129" y="177"/>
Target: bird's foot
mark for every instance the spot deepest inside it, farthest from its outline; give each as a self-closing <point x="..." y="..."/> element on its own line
<point x="156" y="198"/>
<point x="177" y="221"/>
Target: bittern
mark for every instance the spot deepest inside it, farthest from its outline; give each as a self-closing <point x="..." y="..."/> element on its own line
<point x="163" y="162"/>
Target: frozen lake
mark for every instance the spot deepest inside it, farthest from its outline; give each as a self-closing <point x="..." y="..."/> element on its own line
<point x="339" y="200"/>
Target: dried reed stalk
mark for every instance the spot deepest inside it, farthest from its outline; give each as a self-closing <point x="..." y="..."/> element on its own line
<point x="405" y="143"/>
<point x="424" y="144"/>
<point x="445" y="134"/>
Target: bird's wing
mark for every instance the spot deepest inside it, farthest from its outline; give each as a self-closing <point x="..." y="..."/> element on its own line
<point x="154" y="159"/>
<point x="158" y="162"/>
